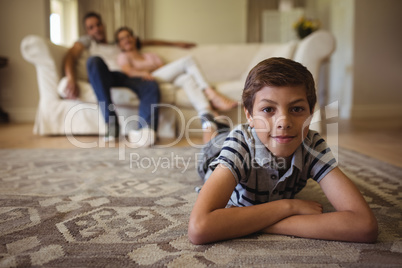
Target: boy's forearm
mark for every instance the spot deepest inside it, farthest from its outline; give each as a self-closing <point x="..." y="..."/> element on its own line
<point x="341" y="226"/>
<point x="210" y="221"/>
<point x="227" y="223"/>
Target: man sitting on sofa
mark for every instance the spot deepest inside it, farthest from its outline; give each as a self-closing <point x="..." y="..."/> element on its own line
<point x="103" y="74"/>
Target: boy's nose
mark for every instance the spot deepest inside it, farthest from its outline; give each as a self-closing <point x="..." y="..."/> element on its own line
<point x="283" y="122"/>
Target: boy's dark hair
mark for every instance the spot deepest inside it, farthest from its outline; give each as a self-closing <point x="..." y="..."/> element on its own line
<point x="138" y="43"/>
<point x="91" y="14"/>
<point x="278" y="72"/>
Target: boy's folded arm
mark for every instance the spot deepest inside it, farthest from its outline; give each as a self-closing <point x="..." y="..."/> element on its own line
<point x="210" y="221"/>
<point x="353" y="220"/>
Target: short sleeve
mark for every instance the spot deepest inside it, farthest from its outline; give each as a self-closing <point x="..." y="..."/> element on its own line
<point x="320" y="158"/>
<point x="235" y="155"/>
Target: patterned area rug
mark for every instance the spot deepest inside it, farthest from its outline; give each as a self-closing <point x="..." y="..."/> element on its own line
<point x="107" y="208"/>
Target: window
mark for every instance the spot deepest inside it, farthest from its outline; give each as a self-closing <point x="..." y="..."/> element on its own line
<point x="63" y="22"/>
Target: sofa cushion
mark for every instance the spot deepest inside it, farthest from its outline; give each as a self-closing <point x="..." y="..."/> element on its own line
<point x="231" y="89"/>
<point x="266" y="51"/>
<point x="121" y="96"/>
<point x="225" y="62"/>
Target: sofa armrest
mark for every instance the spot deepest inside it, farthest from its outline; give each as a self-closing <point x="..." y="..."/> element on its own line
<point x="313" y="50"/>
<point x="48" y="61"/>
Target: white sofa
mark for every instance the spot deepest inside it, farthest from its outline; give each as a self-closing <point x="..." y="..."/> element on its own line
<point x="225" y="66"/>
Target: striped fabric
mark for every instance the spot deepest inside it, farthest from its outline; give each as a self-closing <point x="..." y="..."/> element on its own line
<point x="255" y="169"/>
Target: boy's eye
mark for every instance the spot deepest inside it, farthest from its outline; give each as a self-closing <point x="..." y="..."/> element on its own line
<point x="268" y="110"/>
<point x="297" y="109"/>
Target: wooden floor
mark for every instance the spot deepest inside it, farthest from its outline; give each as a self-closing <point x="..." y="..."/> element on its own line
<point x="381" y="142"/>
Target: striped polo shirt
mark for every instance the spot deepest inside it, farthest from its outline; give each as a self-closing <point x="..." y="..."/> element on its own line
<point x="255" y="169"/>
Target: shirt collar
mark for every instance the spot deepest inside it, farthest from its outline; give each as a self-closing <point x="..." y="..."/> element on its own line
<point x="263" y="156"/>
<point x="297" y="159"/>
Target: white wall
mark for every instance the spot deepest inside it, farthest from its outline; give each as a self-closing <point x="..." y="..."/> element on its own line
<point x="337" y="16"/>
<point x="200" y="21"/>
<point x="377" y="88"/>
<point x="18" y="86"/>
<point x="365" y="70"/>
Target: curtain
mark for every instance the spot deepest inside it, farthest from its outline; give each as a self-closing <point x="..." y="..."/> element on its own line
<point x="115" y="13"/>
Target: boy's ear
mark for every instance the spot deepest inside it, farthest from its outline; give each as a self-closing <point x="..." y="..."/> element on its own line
<point x="249" y="117"/>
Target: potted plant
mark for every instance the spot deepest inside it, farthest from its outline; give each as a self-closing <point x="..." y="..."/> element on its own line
<point x="305" y="26"/>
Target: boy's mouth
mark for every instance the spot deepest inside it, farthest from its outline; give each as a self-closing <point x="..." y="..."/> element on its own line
<point x="283" y="139"/>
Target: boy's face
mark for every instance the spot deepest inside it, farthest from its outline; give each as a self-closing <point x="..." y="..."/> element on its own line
<point x="281" y="118"/>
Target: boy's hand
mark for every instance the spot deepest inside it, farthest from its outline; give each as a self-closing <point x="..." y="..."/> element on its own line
<point x="306" y="207"/>
<point x="352" y="221"/>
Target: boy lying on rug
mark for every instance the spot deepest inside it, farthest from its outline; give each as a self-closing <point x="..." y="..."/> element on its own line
<point x="253" y="172"/>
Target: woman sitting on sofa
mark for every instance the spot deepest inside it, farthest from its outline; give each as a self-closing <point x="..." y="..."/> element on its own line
<point x="182" y="72"/>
